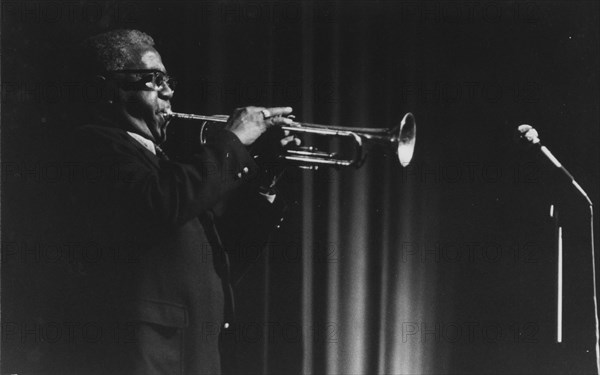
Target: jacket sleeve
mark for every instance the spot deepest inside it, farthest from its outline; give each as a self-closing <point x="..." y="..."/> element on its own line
<point x="165" y="193"/>
<point x="244" y="222"/>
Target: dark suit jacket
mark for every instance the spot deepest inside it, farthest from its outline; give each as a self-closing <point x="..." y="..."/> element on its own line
<point x="152" y="291"/>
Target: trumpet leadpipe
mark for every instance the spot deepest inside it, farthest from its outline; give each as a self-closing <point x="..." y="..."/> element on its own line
<point x="190" y="116"/>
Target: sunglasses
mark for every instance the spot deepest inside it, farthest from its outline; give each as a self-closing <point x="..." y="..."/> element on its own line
<point x="152" y="79"/>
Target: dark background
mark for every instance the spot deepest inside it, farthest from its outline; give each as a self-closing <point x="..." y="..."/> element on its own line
<point x="470" y="71"/>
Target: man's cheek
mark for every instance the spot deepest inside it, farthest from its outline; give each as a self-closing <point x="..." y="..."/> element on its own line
<point x="140" y="108"/>
<point x="135" y="101"/>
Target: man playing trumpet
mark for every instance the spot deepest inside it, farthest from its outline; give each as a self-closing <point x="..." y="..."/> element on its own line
<point x="166" y="304"/>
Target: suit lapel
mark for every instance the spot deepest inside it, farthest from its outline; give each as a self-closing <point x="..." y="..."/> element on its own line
<point x="147" y="155"/>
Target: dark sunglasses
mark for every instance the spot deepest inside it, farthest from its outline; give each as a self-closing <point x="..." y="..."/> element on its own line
<point x="149" y="79"/>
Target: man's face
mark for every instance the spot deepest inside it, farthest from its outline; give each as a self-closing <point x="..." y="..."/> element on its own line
<point x="142" y="107"/>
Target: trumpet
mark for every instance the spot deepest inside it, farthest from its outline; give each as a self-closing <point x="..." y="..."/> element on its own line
<point x="400" y="138"/>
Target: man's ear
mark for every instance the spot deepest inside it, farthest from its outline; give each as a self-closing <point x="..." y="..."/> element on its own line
<point x="103" y="90"/>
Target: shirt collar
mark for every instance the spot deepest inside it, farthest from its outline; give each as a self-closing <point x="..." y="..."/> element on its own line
<point x="148" y="144"/>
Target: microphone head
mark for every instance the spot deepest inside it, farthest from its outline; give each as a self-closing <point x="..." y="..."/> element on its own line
<point x="526" y="133"/>
<point x="524" y="128"/>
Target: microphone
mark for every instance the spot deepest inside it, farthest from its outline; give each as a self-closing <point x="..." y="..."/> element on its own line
<point x="528" y="134"/>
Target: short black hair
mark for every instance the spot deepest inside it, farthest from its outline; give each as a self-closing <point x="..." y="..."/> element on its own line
<point x="112" y="50"/>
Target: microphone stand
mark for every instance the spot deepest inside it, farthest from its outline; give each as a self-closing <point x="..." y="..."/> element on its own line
<point x="559" y="272"/>
<point x="531" y="135"/>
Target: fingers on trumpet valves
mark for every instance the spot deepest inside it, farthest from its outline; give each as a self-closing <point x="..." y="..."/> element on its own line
<point x="290" y="140"/>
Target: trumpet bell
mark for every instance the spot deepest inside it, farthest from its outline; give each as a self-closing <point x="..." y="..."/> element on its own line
<point x="407" y="134"/>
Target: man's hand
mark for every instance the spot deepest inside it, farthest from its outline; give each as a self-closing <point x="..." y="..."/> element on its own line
<point x="250" y="122"/>
<point x="268" y="151"/>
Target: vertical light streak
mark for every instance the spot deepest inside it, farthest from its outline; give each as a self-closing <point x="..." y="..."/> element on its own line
<point x="354" y="263"/>
<point x="333" y="273"/>
<point x="333" y="237"/>
<point x="385" y="273"/>
<point x="354" y="288"/>
<point x="307" y="199"/>
<point x="403" y="353"/>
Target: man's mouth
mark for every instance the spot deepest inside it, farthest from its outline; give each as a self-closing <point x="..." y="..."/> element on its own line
<point x="164" y="114"/>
